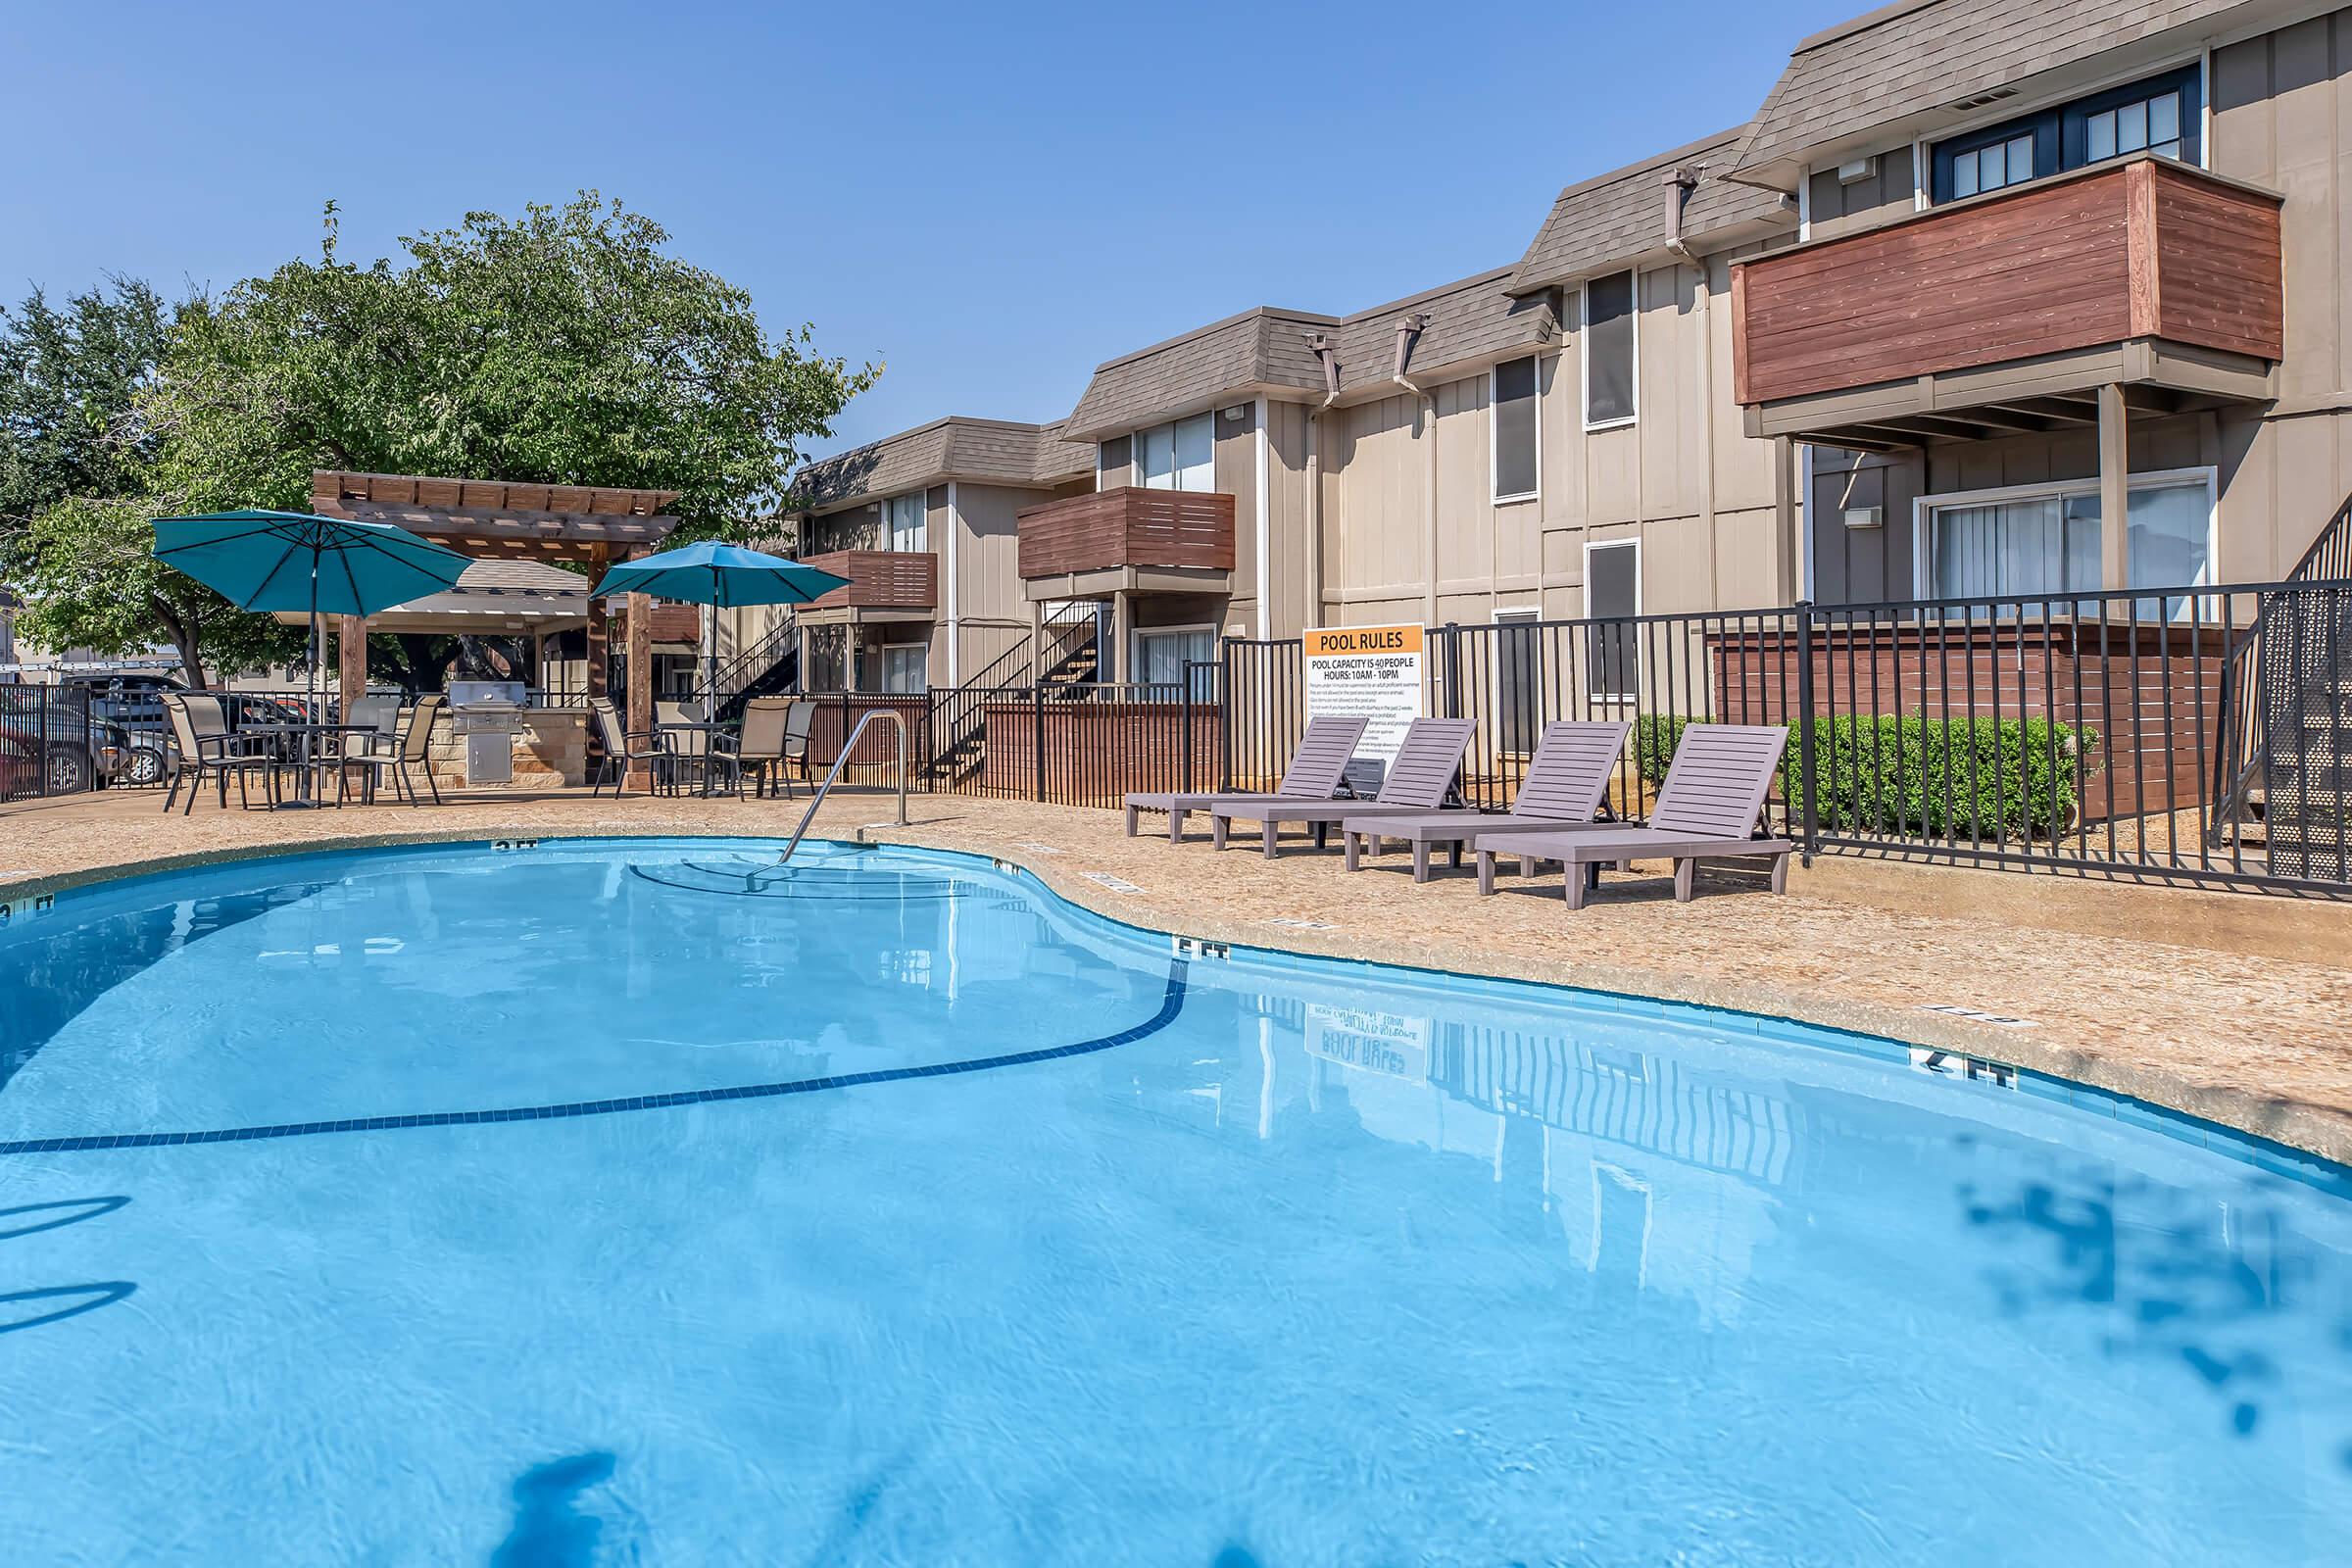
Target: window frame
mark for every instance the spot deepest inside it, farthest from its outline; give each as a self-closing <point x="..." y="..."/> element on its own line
<point x="1176" y="469"/>
<point x="1535" y="397"/>
<point x="890" y="526"/>
<point x="1634" y="544"/>
<point x="2055" y="121"/>
<point x="1137" y="634"/>
<point x="1584" y="349"/>
<point x="1924" y="509"/>
<point x="883" y="653"/>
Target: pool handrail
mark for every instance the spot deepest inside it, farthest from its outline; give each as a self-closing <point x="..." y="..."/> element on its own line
<point x="841" y="762"/>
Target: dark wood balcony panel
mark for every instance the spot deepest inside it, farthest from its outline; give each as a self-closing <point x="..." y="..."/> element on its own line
<point x="1127" y="526"/>
<point x="2143" y="249"/>
<point x="880" y="579"/>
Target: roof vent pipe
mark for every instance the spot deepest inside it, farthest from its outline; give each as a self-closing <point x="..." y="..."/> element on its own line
<point x="1680" y="183"/>
<point x="1408" y="333"/>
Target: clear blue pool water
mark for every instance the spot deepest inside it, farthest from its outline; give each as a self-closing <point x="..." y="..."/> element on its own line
<point x="1228" y="1261"/>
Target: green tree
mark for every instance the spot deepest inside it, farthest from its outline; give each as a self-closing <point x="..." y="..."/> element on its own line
<point x="92" y="581"/>
<point x="77" y="453"/>
<point x="565" y="347"/>
<point x="68" y="381"/>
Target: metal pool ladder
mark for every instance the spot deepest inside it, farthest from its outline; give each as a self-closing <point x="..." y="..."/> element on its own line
<point x="899" y="723"/>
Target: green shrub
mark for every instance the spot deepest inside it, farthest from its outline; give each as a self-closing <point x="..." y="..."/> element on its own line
<point x="1926" y="777"/>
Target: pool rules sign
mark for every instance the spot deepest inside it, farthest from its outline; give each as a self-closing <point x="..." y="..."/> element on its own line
<point x="1368" y="672"/>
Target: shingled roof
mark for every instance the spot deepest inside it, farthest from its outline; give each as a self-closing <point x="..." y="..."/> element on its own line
<point x="1907" y="60"/>
<point x="958" y="447"/>
<point x="1598" y="225"/>
<point x="1264" y="347"/>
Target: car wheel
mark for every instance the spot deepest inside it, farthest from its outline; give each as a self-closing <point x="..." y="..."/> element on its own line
<point x="68" y="771"/>
<point x="146" y="766"/>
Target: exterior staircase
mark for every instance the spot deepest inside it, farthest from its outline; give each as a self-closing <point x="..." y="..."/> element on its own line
<point x="955" y="734"/>
<point x="769" y="667"/>
<point x="2285" y="773"/>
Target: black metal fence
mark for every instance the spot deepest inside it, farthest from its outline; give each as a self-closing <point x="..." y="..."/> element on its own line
<point x="50" y="743"/>
<point x="2199" y="734"/>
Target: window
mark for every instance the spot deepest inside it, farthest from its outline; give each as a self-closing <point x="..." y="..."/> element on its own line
<point x="1165" y="657"/>
<point x="1612" y="595"/>
<point x="2157" y="115"/>
<point x="1610" y="345"/>
<point x="2028" y="543"/>
<point x="1178" y="457"/>
<point x="1518" y="680"/>
<point x="903" y="666"/>
<point x="1115" y="462"/>
<point x="906" y="522"/>
<point x="1518" y="460"/>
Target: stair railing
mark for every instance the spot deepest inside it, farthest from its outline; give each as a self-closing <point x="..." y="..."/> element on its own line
<point x="2238" y="762"/>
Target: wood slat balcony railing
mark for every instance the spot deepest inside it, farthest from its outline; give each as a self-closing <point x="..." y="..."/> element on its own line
<point x="880" y="579"/>
<point x="1127" y="526"/>
<point x="2143" y="249"/>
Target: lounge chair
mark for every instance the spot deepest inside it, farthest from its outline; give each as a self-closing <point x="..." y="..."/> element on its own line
<point x="1315" y="774"/>
<point x="204" y="744"/>
<point x="411" y="750"/>
<point x="762" y="744"/>
<point x="1427" y="762"/>
<point x="1708" y="809"/>
<point x="622" y="750"/>
<point x="1564" y="785"/>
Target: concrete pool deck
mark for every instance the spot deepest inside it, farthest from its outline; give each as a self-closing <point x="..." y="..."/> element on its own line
<point x="2229" y="1007"/>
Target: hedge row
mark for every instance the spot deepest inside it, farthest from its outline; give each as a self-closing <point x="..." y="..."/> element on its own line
<point x="1944" y="778"/>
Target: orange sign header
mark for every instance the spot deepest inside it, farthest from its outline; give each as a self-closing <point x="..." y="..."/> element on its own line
<point x="1324" y="644"/>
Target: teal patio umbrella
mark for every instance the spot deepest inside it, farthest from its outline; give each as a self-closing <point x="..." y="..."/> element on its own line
<point x="722" y="576"/>
<point x="289" y="560"/>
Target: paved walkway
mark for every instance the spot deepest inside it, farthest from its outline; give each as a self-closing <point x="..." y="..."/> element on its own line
<point x="2259" y="1037"/>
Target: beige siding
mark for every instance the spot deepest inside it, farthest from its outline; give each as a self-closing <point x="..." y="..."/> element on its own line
<point x="2282" y="117"/>
<point x="1837" y="208"/>
<point x="991" y="609"/>
<point x="1289" y="510"/>
<point x="1236" y="474"/>
<point x="1682" y="479"/>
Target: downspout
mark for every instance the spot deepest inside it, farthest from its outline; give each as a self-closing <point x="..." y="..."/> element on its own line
<point x="1408" y="333"/>
<point x="1680" y="183"/>
<point x="1328" y="355"/>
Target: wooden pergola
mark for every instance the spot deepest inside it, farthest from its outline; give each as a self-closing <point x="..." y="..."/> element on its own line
<point x="595" y="526"/>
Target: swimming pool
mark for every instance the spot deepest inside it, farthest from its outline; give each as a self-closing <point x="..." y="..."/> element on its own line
<point x="639" y="1202"/>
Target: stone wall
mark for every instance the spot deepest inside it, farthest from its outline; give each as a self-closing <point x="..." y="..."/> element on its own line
<point x="550" y="751"/>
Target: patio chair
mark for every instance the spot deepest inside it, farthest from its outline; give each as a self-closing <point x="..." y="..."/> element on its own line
<point x="798" y="726"/>
<point x="1564" y="786"/>
<point x="203" y="744"/>
<point x="762" y="744"/>
<point x="623" y="748"/>
<point x="411" y="748"/>
<point x="1709" y="809"/>
<point x="1417" y="783"/>
<point x="1315" y="772"/>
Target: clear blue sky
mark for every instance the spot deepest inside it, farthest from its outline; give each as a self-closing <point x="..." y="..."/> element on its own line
<point x="991" y="199"/>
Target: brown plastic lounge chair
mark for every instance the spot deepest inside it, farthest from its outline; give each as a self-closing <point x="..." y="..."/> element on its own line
<point x="1713" y="796"/>
<point x="1315" y="774"/>
<point x="1416" y="784"/>
<point x="1564" y="785"/>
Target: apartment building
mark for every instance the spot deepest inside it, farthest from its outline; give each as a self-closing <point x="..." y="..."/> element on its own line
<point x="2059" y="264"/>
<point x="922" y="523"/>
<point x="1977" y="275"/>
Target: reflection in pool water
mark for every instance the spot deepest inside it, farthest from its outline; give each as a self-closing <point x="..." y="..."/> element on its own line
<point x="1315" y="1263"/>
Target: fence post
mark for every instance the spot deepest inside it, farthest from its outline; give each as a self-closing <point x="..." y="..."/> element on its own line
<point x="1225" y="719"/>
<point x="1809" y="823"/>
<point x="1036" y="718"/>
<point x="1452" y="633"/>
<point x="1184" y="734"/>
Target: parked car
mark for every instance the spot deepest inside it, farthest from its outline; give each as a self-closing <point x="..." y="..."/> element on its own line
<point x="135" y="703"/>
<point x="60" y="751"/>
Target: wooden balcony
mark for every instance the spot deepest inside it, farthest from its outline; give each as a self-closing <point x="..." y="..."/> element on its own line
<point x="2145" y="270"/>
<point x="1124" y="528"/>
<point x="880" y="579"/>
